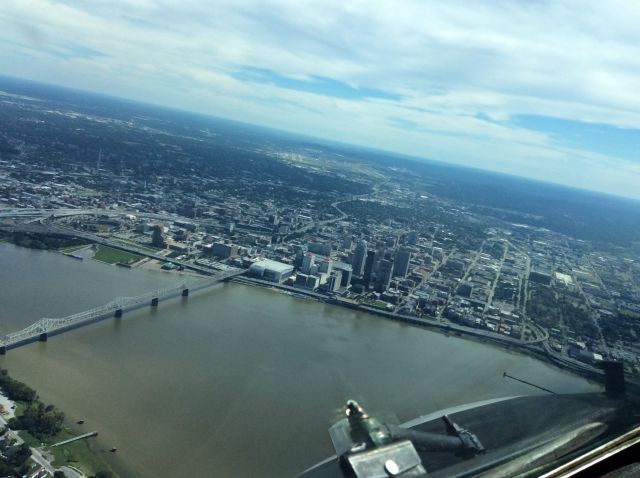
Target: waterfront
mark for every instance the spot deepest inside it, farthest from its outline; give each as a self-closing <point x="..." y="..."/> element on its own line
<point x="238" y="381"/>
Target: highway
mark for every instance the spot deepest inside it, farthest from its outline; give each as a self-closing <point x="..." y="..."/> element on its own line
<point x="313" y="224"/>
<point x="48" y="228"/>
<point x="63" y="231"/>
<point x="68" y="212"/>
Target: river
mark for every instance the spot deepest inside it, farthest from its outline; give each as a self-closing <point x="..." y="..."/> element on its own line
<point x="236" y="381"/>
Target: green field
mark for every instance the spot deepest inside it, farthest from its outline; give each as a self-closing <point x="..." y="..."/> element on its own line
<point x="77" y="454"/>
<point x="378" y="304"/>
<point x="112" y="256"/>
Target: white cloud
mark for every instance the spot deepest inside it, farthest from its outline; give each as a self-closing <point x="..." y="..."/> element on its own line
<point x="452" y="63"/>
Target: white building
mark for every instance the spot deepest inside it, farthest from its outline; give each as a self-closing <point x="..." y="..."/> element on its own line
<point x="273" y="271"/>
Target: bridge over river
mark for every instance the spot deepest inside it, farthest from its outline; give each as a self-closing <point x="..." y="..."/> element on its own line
<point x="45" y="328"/>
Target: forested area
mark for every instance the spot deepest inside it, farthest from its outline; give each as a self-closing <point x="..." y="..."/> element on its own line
<point x="40" y="241"/>
<point x="551" y="309"/>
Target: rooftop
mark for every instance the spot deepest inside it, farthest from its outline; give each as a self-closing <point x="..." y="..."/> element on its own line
<point x="273" y="265"/>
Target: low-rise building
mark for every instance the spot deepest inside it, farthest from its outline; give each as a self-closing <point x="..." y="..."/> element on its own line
<point x="270" y="270"/>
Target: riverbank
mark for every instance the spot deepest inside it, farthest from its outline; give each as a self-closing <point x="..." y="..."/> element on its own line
<point x="111" y="256"/>
<point x="59" y="451"/>
<point x="7" y="407"/>
<point x="156" y="266"/>
<point x="535" y="350"/>
<point x="239" y="358"/>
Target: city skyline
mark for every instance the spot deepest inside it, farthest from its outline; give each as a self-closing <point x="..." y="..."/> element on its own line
<point x="197" y="241"/>
<point x="543" y="91"/>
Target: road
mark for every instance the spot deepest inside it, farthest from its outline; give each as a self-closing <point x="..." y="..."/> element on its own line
<point x="45" y="214"/>
<point x="64" y="231"/>
<point x="310" y="226"/>
<point x="36" y="455"/>
<point x="68" y="212"/>
<point x="489" y="301"/>
<point x="595" y="315"/>
<point x="472" y="264"/>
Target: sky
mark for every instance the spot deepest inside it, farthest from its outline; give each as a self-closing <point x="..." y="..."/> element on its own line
<point x="543" y="89"/>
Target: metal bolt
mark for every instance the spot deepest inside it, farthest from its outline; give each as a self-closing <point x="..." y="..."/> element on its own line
<point x="391" y="468"/>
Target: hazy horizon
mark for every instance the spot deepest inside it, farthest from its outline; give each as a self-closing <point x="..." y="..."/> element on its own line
<point x="539" y="91"/>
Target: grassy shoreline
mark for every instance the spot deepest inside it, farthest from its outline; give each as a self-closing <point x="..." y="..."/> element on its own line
<point x="109" y="255"/>
<point x="79" y="454"/>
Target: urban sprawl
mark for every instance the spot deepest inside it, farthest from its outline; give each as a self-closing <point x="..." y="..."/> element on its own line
<point x="371" y="236"/>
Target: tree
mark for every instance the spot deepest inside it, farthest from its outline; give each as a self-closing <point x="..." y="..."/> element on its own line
<point x="39" y="420"/>
<point x="14" y="461"/>
<point x="14" y="389"/>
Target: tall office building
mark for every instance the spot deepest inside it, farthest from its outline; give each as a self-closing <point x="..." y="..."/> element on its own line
<point x="324" y="249"/>
<point x="325" y="265"/>
<point x="334" y="281"/>
<point x="346" y="271"/>
<point x="347" y="244"/>
<point x="368" y="267"/>
<point x="383" y="277"/>
<point x="359" y="257"/>
<point x="307" y="263"/>
<point x="401" y="263"/>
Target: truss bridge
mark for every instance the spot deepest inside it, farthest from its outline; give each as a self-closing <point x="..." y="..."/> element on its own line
<point x="46" y="327"/>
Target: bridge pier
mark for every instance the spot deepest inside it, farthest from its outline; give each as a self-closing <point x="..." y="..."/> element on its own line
<point x="40" y="330"/>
